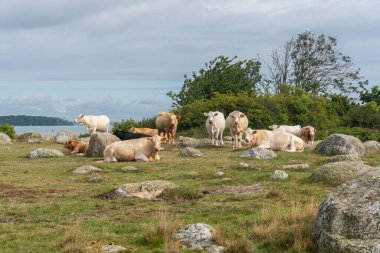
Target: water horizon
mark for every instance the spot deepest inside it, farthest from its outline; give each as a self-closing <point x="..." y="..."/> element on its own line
<point x="51" y="130"/>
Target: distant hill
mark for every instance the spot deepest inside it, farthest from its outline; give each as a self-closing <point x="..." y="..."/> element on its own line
<point x="23" y="120"/>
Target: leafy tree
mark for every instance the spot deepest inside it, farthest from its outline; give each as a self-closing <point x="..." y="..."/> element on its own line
<point x="314" y="63"/>
<point x="222" y="75"/>
<point x="373" y="95"/>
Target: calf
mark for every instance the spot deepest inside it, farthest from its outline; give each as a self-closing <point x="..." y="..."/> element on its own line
<point x="143" y="149"/>
<point x="76" y="147"/>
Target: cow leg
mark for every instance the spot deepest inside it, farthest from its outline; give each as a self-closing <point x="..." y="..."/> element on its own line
<point x="141" y="158"/>
<point x="94" y="130"/>
<point x="239" y="140"/>
<point x="221" y="137"/>
<point x="216" y="137"/>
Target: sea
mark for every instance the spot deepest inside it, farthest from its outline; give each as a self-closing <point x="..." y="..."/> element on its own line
<point x="51" y="130"/>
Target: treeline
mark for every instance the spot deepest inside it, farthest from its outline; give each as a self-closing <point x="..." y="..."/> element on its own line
<point x="24" y="120"/>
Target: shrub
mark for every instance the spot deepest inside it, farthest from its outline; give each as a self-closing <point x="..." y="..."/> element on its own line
<point x="127" y="124"/>
<point x="8" y="130"/>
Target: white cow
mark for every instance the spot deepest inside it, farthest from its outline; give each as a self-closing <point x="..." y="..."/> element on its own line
<point x="296" y="130"/>
<point x="237" y="122"/>
<point x="275" y="140"/>
<point x="143" y="149"/>
<point x="215" y="125"/>
<point x="94" y="123"/>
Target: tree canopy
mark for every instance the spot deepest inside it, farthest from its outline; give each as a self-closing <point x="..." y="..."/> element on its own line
<point x="222" y="75"/>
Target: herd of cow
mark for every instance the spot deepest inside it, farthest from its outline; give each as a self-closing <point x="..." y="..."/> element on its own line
<point x="143" y="144"/>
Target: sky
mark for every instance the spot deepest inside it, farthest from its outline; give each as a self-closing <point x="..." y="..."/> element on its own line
<point x="120" y="57"/>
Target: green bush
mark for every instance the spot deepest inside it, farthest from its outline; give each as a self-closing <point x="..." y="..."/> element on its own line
<point x="126" y="125"/>
<point x="364" y="134"/>
<point x="8" y="130"/>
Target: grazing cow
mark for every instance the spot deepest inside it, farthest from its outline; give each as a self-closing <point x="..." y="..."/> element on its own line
<point x="149" y="131"/>
<point x="275" y="140"/>
<point x="76" y="147"/>
<point x="143" y="149"/>
<point x="237" y="122"/>
<point x="296" y="130"/>
<point x="94" y="123"/>
<point x="215" y="125"/>
<point x="308" y="134"/>
<point x="166" y="124"/>
<point x="129" y="135"/>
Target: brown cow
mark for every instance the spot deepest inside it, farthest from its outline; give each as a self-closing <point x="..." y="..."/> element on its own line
<point x="166" y="123"/>
<point x="149" y="131"/>
<point x="76" y="147"/>
<point x="308" y="134"/>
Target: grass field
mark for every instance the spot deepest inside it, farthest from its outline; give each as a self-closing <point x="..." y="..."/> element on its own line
<point x="44" y="207"/>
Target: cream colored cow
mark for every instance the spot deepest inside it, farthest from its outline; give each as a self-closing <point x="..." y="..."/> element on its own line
<point x="143" y="149"/>
<point x="166" y="123"/>
<point x="94" y="123"/>
<point x="237" y="122"/>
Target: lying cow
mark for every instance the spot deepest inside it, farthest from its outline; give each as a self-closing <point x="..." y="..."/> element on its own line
<point x="143" y="149"/>
<point x="275" y="140"/>
<point x="166" y="123"/>
<point x="237" y="122"/>
<point x="129" y="135"/>
<point x="148" y="131"/>
<point x="296" y="130"/>
<point x="94" y="123"/>
<point x="76" y="147"/>
<point x="215" y="124"/>
<point x="308" y="134"/>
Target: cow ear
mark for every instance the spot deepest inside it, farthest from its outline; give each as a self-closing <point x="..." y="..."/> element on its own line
<point x="81" y="115"/>
<point x="242" y="115"/>
<point x="216" y="114"/>
<point x="254" y="132"/>
<point x="178" y="117"/>
<point x="315" y="130"/>
<point x="205" y="114"/>
<point x="150" y="139"/>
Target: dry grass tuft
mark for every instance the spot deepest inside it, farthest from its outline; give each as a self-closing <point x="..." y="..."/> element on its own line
<point x="233" y="243"/>
<point x="73" y="241"/>
<point x="287" y="227"/>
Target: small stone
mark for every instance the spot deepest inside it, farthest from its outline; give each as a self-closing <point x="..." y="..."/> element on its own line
<point x="279" y="175"/>
<point x="86" y="169"/>
<point x="112" y="248"/>
<point x="226" y="179"/>
<point x="258" y="153"/>
<point x="147" y="190"/>
<point x="44" y="153"/>
<point x="130" y="169"/>
<point x="191" y="152"/>
<point x="4" y="138"/>
<point x="295" y="166"/>
<point x="244" y="165"/>
<point x="193" y="173"/>
<point x="219" y="174"/>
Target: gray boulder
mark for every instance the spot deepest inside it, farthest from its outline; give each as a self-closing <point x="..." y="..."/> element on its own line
<point x="30" y="137"/>
<point x="147" y="190"/>
<point x="259" y="153"/>
<point x="86" y="169"/>
<point x="340" y="144"/>
<point x="349" y="218"/>
<point x="63" y="136"/>
<point x="44" y="152"/>
<point x="278" y="175"/>
<point x="340" y="158"/>
<point x="98" y="142"/>
<point x="198" y="237"/>
<point x="4" y="138"/>
<point x="295" y="166"/>
<point x="372" y="146"/>
<point x="193" y="143"/>
<point x="190" y="152"/>
<point x="339" y="172"/>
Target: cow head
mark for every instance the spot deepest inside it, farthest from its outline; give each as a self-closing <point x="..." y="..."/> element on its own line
<point x="156" y="142"/>
<point x="211" y="117"/>
<point x="79" y="119"/>
<point x="310" y="133"/>
<point x="236" y="118"/>
<point x="132" y="129"/>
<point x="173" y="121"/>
<point x="249" y="134"/>
<point x="273" y="127"/>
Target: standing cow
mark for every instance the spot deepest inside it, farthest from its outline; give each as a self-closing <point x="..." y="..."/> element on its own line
<point x="166" y="123"/>
<point x="94" y="123"/>
<point x="215" y="125"/>
<point x="237" y="122"/>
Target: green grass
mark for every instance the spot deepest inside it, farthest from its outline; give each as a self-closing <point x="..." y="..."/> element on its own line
<point x="46" y="208"/>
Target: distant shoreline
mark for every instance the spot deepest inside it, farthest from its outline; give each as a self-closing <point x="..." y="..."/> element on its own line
<point x="24" y="120"/>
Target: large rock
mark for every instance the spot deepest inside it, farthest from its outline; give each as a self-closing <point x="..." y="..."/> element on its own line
<point x="339" y="172"/>
<point x="63" y="136"/>
<point x="198" y="237"/>
<point x="4" y="138"/>
<point x="30" y="137"/>
<point x="349" y="218"/>
<point x="85" y="169"/>
<point x="44" y="152"/>
<point x="146" y="190"/>
<point x="372" y="146"/>
<point x="98" y="142"/>
<point x="191" y="152"/>
<point x="259" y="153"/>
<point x="340" y="144"/>
<point x="193" y="143"/>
